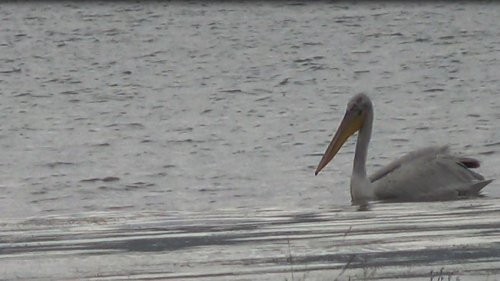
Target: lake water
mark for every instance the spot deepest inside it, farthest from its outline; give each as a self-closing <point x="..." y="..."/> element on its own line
<point x="179" y="140"/>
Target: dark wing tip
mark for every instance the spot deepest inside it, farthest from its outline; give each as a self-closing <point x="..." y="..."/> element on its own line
<point x="469" y="162"/>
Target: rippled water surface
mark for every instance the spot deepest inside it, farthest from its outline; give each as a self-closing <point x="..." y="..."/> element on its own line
<point x="180" y="140"/>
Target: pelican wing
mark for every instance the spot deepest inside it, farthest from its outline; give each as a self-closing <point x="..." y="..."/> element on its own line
<point x="428" y="174"/>
<point x="422" y="154"/>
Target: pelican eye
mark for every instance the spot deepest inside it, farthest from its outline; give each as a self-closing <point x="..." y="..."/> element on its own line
<point x="356" y="110"/>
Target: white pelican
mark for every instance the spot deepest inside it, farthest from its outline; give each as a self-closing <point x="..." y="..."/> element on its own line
<point x="427" y="174"/>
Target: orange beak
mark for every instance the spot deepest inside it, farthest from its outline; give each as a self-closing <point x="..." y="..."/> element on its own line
<point x="351" y="123"/>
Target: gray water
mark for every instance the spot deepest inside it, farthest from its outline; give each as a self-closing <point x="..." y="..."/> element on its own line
<point x="119" y="117"/>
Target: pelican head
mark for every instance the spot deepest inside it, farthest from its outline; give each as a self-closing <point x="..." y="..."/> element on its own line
<point x="359" y="111"/>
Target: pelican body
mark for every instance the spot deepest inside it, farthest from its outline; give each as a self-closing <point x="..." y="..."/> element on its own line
<point x="428" y="174"/>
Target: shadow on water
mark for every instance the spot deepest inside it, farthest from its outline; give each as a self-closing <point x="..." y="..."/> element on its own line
<point x="390" y="240"/>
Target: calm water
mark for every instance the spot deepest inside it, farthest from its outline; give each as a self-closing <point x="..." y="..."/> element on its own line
<point x="169" y="115"/>
<point x="392" y="241"/>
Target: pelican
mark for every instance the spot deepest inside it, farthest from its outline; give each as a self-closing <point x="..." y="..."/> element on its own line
<point x="428" y="174"/>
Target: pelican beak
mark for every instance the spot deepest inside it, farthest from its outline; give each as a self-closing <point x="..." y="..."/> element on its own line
<point x="351" y="123"/>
